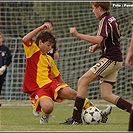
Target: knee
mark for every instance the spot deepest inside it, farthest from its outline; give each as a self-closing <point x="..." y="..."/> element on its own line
<point x="73" y="95"/>
<point x="105" y="96"/>
<point x="47" y="108"/>
<point x="83" y="81"/>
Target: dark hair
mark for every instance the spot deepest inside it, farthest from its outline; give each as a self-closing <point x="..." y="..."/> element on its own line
<point x="47" y="20"/>
<point x="104" y="5"/>
<point x="45" y="36"/>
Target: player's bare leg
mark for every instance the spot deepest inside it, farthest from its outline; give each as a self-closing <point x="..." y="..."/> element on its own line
<point x="106" y="94"/>
<point x="47" y="106"/>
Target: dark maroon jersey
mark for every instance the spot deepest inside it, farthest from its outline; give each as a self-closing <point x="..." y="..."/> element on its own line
<point x="109" y="29"/>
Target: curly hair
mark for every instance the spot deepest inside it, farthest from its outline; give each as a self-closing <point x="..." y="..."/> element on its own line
<point x="45" y="36"/>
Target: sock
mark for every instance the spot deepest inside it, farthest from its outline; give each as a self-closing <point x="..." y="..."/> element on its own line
<point x="79" y="102"/>
<point x="47" y="115"/>
<point x="130" y="126"/>
<point x="123" y="104"/>
<point x="87" y="104"/>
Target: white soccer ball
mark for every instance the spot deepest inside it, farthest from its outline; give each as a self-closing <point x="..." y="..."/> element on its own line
<point x="92" y="115"/>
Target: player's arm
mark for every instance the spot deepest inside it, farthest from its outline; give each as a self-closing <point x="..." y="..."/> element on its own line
<point x="129" y="57"/>
<point x="88" y="38"/>
<point x="60" y="79"/>
<point x="33" y="33"/>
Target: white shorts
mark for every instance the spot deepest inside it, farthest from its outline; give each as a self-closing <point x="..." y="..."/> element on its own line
<point x="106" y="69"/>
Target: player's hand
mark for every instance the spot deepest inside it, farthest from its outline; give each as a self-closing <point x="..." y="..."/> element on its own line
<point x="129" y="60"/>
<point x="73" y="31"/>
<point x="128" y="64"/>
<point x="2" y="70"/>
<point x="93" y="48"/>
<point x="46" y="26"/>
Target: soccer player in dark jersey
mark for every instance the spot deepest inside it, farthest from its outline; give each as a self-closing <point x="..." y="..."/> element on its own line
<point x="5" y="61"/>
<point x="128" y="64"/>
<point x="110" y="62"/>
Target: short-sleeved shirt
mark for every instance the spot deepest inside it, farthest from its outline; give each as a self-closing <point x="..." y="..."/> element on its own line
<point x="109" y="29"/>
<point x="40" y="68"/>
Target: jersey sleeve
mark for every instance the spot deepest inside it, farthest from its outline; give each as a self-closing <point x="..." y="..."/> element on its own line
<point x="30" y="48"/>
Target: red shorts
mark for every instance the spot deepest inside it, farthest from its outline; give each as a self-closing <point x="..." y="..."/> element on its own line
<point x="48" y="91"/>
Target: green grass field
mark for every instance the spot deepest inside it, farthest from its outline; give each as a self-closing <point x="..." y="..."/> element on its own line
<point x="20" y="118"/>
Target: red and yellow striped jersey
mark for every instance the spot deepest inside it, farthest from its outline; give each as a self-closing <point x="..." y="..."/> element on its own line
<point x="40" y="68"/>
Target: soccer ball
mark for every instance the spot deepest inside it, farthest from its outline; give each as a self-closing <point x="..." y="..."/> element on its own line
<point x="91" y="115"/>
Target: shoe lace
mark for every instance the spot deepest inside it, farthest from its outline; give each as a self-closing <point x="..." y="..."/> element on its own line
<point x="44" y="118"/>
<point x="75" y="123"/>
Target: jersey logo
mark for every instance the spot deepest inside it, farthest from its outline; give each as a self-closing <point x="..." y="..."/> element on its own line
<point x="111" y="19"/>
<point x="36" y="97"/>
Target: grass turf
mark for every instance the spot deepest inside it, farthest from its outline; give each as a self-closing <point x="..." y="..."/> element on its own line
<point x="20" y="118"/>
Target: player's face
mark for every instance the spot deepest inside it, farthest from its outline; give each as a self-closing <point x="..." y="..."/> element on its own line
<point x="96" y="11"/>
<point x="45" y="47"/>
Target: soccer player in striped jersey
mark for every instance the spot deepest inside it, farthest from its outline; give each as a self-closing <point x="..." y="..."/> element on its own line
<point x="128" y="64"/>
<point x="110" y="62"/>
